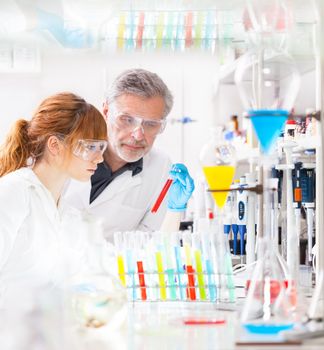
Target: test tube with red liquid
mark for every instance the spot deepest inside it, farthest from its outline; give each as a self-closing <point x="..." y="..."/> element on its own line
<point x="161" y="196"/>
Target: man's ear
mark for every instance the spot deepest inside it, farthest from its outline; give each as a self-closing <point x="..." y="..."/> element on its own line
<point x="53" y="145"/>
<point x="105" y="110"/>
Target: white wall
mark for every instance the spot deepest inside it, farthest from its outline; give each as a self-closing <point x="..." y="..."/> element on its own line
<point x="191" y="78"/>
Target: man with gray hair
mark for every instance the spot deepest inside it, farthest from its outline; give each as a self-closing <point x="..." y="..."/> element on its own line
<point x="125" y="186"/>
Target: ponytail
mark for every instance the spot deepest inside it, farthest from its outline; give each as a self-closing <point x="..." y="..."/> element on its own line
<point x="16" y="149"/>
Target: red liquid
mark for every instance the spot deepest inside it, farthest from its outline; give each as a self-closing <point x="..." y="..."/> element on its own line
<point x="275" y="287"/>
<point x="141" y="278"/>
<point x="191" y="291"/>
<point x="161" y="196"/>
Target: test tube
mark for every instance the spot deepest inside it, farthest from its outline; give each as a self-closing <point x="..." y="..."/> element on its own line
<point x="177" y="254"/>
<point x="159" y="265"/>
<point x="161" y="196"/>
<point x="189" y="268"/>
<point x="130" y="262"/>
<point x="170" y="267"/>
<point x="139" y="243"/>
<point x="119" y="244"/>
<point x="199" y="266"/>
<point x="205" y="240"/>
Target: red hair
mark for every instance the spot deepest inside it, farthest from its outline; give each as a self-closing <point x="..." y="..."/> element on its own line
<point x="62" y="114"/>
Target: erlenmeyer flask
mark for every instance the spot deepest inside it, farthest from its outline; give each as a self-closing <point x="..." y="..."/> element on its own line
<point x="269" y="280"/>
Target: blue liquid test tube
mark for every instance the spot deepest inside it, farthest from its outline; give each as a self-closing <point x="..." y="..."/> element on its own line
<point x="170" y="267"/>
<point x="177" y="253"/>
<point x="206" y="247"/>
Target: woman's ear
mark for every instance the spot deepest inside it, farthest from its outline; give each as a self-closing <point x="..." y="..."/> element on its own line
<point x="53" y="145"/>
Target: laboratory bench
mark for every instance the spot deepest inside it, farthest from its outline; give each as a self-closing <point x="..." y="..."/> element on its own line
<point x="173" y="326"/>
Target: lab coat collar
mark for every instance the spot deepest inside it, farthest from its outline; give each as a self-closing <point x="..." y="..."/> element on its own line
<point x="121" y="183"/>
<point x="50" y="207"/>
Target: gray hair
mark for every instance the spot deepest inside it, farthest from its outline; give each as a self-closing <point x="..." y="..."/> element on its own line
<point x="140" y="82"/>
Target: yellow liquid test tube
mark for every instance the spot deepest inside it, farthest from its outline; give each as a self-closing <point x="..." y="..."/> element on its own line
<point x="188" y="254"/>
<point x="159" y="264"/>
<point x="159" y="30"/>
<point x="121" y="269"/>
<point x="121" y="31"/>
<point x="200" y="275"/>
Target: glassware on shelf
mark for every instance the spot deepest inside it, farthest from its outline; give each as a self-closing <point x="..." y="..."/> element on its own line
<point x="268" y="82"/>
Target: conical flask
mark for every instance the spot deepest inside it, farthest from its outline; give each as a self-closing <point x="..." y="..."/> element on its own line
<point x="270" y="277"/>
<point x="268" y="281"/>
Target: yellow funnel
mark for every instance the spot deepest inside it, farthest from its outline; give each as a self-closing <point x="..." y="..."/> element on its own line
<point x="219" y="177"/>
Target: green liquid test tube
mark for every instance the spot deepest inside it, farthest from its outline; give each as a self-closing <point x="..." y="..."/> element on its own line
<point x="200" y="275"/>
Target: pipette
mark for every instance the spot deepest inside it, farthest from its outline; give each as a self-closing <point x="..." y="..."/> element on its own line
<point x="242" y="215"/>
<point x="297" y="198"/>
<point x="250" y="236"/>
<point x="307" y="180"/>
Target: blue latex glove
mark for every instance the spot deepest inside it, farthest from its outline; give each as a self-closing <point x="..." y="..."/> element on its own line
<point x="181" y="188"/>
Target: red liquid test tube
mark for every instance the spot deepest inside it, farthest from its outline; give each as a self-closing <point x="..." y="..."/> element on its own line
<point x="191" y="283"/>
<point x="161" y="196"/>
<point x="141" y="279"/>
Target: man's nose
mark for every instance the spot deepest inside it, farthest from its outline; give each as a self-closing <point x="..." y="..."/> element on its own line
<point x="138" y="133"/>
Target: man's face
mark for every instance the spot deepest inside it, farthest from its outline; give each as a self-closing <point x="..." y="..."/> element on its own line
<point x="131" y="142"/>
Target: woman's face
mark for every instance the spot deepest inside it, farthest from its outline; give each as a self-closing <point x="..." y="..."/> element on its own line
<point x="81" y="159"/>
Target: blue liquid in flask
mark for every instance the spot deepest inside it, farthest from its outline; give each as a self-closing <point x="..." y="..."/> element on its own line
<point x="268" y="124"/>
<point x="268" y="328"/>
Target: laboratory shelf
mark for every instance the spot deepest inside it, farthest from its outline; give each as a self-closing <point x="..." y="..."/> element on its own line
<point x="304" y="63"/>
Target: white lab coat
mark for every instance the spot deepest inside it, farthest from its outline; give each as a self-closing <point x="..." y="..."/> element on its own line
<point x="40" y="244"/>
<point x="126" y="202"/>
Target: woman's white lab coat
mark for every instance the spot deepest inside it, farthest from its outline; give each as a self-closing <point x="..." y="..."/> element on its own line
<point x="40" y="244"/>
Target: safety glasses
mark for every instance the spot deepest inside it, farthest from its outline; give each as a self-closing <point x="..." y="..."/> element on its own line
<point x="128" y="122"/>
<point x="89" y="149"/>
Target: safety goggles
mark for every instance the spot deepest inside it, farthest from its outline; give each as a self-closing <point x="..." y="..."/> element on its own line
<point x="89" y="149"/>
<point x="128" y="122"/>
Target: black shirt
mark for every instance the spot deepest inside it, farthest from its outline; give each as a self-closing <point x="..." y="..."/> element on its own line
<point x="104" y="176"/>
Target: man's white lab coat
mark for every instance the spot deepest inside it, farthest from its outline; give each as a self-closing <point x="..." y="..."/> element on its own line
<point x="125" y="203"/>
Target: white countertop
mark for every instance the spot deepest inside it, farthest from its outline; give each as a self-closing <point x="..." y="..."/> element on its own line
<point x="160" y="325"/>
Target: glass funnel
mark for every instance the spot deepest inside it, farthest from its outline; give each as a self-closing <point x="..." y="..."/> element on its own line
<point x="268" y="82"/>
